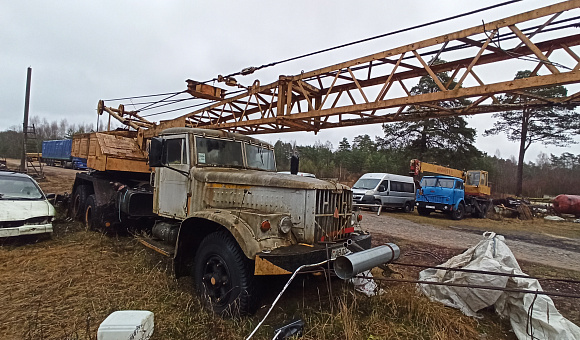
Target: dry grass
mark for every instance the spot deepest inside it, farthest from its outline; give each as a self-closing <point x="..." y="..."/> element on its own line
<point x="504" y="226"/>
<point x="63" y="288"/>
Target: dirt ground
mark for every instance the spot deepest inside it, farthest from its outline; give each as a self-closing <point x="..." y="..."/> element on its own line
<point x="554" y="251"/>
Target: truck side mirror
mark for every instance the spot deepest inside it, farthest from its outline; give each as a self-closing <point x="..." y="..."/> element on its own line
<point x="156" y="152"/>
<point x="382" y="188"/>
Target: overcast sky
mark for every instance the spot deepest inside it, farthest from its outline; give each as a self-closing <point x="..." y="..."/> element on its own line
<point x="83" y="51"/>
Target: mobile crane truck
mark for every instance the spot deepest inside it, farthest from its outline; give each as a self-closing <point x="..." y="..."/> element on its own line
<point x="453" y="191"/>
<point x="212" y="201"/>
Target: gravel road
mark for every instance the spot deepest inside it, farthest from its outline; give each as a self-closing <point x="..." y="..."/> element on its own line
<point x="561" y="252"/>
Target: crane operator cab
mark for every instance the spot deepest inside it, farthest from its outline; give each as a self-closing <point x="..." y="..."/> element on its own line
<point x="476" y="183"/>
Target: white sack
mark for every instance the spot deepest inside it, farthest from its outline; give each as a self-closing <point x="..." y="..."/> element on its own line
<point x="492" y="254"/>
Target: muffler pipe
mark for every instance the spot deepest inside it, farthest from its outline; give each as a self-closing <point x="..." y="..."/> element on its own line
<point x="348" y="266"/>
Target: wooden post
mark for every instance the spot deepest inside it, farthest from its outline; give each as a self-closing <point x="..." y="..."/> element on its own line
<point x="25" y="124"/>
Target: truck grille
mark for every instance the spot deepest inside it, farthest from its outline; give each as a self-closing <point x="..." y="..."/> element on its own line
<point x="333" y="214"/>
<point x="436" y="199"/>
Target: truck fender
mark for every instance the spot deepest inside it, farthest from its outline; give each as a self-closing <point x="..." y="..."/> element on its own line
<point x="202" y="223"/>
<point x="457" y="204"/>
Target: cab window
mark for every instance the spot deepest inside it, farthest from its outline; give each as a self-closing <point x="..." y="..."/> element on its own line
<point x="175" y="152"/>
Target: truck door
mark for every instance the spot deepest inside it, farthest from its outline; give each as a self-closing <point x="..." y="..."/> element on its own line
<point x="172" y="182"/>
<point x="458" y="192"/>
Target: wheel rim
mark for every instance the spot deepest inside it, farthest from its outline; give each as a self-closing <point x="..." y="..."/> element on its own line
<point x="216" y="280"/>
<point x="88" y="216"/>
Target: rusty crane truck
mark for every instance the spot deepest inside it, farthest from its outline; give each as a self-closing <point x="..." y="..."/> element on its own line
<point x="213" y="201"/>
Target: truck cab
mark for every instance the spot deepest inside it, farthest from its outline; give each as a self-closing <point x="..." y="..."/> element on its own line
<point x="441" y="193"/>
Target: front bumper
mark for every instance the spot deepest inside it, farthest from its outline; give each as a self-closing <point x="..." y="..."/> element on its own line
<point x="286" y="260"/>
<point x="363" y="199"/>
<point x="26" y="230"/>
<point x="434" y="206"/>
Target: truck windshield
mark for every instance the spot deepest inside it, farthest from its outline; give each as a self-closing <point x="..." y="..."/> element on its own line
<point x="366" y="183"/>
<point x="260" y="158"/>
<point x="473" y="178"/>
<point x="438" y="182"/>
<point x="19" y="188"/>
<point x="218" y="152"/>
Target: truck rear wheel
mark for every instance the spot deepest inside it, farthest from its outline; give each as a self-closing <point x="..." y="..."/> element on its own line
<point x="408" y="207"/>
<point x="223" y="276"/>
<point x="458" y="213"/>
<point x="91" y="219"/>
<point x="484" y="208"/>
<point x="79" y="201"/>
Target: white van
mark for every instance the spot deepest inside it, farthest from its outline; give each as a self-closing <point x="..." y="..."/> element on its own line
<point x="388" y="190"/>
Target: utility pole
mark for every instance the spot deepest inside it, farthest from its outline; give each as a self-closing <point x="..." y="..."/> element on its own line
<point x="25" y="124"/>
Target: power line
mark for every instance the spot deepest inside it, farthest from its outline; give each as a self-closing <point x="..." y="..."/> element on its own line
<point x="250" y="70"/>
<point x="146" y="96"/>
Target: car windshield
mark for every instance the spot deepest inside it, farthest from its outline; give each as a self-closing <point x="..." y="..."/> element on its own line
<point x="366" y="183"/>
<point x="428" y="182"/>
<point x="19" y="188"/>
<point x="260" y="158"/>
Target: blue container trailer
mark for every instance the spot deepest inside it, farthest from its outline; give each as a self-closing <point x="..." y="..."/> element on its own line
<point x="58" y="153"/>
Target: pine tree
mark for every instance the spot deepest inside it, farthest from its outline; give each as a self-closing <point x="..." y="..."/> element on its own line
<point x="547" y="125"/>
<point x="447" y="141"/>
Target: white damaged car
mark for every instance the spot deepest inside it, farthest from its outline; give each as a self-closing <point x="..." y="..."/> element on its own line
<point x="24" y="209"/>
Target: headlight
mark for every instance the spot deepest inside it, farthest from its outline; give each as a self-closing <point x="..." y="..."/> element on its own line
<point x="285" y="225"/>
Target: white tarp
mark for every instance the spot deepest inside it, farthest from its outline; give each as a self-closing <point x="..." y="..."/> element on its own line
<point x="531" y="316"/>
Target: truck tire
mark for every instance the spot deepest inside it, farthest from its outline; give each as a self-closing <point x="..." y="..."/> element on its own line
<point x="484" y="209"/>
<point x="92" y="222"/>
<point x="458" y="213"/>
<point x="223" y="276"/>
<point x="408" y="207"/>
<point x="79" y="201"/>
<point x="423" y="211"/>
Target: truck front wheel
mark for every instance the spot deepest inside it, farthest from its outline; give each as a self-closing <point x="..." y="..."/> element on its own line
<point x="223" y="276"/>
<point x="79" y="201"/>
<point x="458" y="213"/>
<point x="423" y="211"/>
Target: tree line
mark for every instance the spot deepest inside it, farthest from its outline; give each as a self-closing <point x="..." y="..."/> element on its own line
<point x="548" y="175"/>
<point x="11" y="140"/>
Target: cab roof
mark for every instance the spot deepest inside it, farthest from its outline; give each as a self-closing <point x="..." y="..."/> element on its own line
<point x="215" y="134"/>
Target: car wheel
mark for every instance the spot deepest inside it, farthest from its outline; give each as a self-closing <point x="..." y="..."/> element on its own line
<point x="79" y="201"/>
<point x="458" y="213"/>
<point x="408" y="207"/>
<point x="223" y="276"/>
<point x="423" y="211"/>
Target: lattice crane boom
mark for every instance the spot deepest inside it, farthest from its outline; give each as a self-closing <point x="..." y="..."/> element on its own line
<point x="376" y="88"/>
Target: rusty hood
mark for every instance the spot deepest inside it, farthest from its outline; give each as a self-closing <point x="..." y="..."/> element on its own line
<point x="262" y="178"/>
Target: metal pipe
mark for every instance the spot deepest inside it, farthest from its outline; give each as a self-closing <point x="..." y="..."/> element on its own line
<point x="347" y="266"/>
